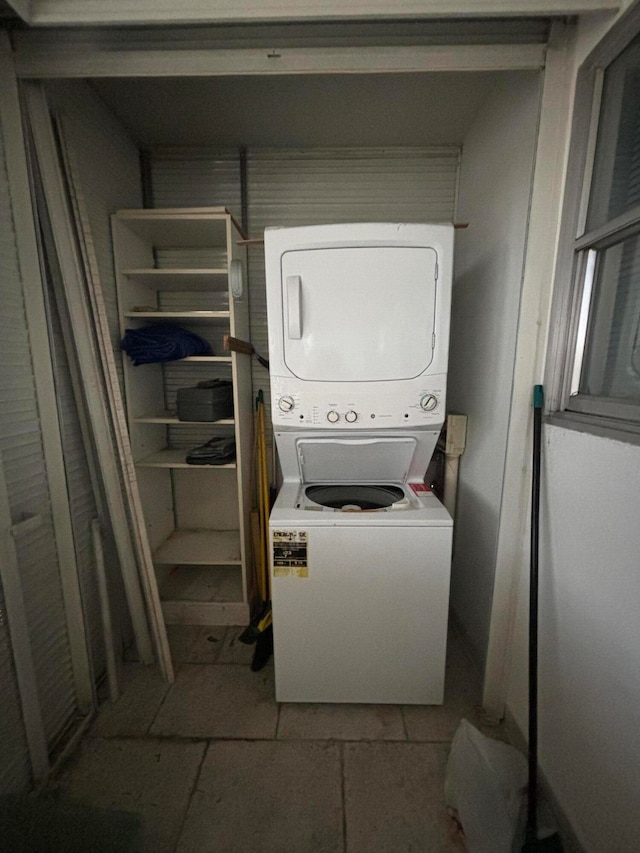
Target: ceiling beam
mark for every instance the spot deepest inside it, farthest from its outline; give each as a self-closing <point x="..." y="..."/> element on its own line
<point x="188" y="63"/>
<point x="149" y="12"/>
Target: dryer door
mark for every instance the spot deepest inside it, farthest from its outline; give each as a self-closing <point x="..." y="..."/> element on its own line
<point x="359" y="314"/>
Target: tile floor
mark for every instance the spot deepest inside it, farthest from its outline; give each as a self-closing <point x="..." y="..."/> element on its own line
<point x="213" y="763"/>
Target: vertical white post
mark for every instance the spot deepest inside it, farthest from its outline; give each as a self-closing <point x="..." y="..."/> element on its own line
<point x="535" y="303"/>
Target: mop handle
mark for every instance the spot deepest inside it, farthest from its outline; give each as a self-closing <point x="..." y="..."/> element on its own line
<point x="532" y="816"/>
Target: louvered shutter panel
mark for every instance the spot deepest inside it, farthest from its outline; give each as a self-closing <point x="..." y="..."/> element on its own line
<point x="22" y="458"/>
<point x="15" y="774"/>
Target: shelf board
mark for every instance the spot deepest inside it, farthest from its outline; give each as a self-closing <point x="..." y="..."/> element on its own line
<point x="180" y="279"/>
<point x="218" y="359"/>
<point x="205" y="612"/>
<point x="171" y="458"/>
<point x="178" y="214"/>
<point x="203" y="584"/>
<point x="198" y="359"/>
<point x="189" y="316"/>
<point x="200" y="548"/>
<point x="177" y="230"/>
<point x="172" y="420"/>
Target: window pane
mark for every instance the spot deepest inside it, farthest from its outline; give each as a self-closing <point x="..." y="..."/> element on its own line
<point x="616" y="177"/>
<point x="612" y="362"/>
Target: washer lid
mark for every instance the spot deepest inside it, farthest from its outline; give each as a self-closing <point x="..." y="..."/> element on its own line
<point x="364" y="460"/>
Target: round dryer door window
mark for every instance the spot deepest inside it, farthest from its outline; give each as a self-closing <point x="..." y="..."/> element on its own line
<point x="355" y="497"/>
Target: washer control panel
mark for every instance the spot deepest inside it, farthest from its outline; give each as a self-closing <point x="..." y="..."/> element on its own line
<point x="380" y="405"/>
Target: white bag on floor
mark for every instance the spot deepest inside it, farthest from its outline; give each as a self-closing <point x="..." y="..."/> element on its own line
<point x="485" y="788"/>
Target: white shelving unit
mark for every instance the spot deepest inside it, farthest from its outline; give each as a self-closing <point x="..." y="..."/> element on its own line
<point x="172" y="266"/>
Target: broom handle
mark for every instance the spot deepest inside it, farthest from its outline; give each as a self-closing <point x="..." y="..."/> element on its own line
<point x="532" y="809"/>
<point x="264" y="485"/>
<point x="263" y="496"/>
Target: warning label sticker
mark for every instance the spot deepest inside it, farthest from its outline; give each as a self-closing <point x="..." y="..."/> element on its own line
<point x="420" y="488"/>
<point x="290" y="554"/>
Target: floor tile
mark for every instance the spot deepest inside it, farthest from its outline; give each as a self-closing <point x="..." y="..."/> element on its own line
<point x="195" y="643"/>
<point x="394" y="798"/>
<point x="142" y="691"/>
<point x="462" y="698"/>
<point x="438" y="723"/>
<point x="340" y="722"/>
<point x="151" y="778"/>
<point x="225" y="701"/>
<point x="208" y="646"/>
<point x="266" y="797"/>
<point x="234" y="651"/>
<point x="181" y="640"/>
<point x="48" y="821"/>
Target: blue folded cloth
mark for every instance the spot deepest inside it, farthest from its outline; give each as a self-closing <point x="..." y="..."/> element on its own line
<point x="164" y="342"/>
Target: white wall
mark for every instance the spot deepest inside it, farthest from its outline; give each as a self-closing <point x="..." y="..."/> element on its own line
<point x="299" y="110"/>
<point x="495" y="178"/>
<point x="589" y="636"/>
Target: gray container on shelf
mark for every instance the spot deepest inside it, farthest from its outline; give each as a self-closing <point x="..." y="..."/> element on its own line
<point x="207" y="401"/>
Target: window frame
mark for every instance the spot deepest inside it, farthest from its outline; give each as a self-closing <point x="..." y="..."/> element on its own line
<point x="599" y="415"/>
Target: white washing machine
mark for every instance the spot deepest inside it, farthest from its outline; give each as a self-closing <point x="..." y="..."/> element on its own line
<point x="360" y="549"/>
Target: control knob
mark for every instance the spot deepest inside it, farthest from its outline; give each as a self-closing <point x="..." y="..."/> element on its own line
<point x="333" y="417"/>
<point x="286" y="404"/>
<point x="351" y="417"/>
<point x="428" y="402"/>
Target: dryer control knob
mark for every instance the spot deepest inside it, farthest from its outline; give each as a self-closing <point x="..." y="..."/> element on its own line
<point x="351" y="417"/>
<point x="333" y="417"/>
<point x="428" y="402"/>
<point x="286" y="404"/>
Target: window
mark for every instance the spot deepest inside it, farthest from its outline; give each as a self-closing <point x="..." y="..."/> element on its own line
<point x="602" y="370"/>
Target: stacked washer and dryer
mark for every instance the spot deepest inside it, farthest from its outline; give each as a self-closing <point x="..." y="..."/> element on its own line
<point x="358" y="319"/>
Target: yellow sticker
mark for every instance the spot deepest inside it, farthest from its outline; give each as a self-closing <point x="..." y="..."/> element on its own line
<point x="281" y="571"/>
<point x="290" y="553"/>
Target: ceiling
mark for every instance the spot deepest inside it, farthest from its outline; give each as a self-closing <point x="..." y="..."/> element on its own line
<point x="158" y="12"/>
<point x="355" y="109"/>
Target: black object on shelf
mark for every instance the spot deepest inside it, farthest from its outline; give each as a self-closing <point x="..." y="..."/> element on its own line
<point x="162" y="342"/>
<point x="217" y="451"/>
<point x="211" y="400"/>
